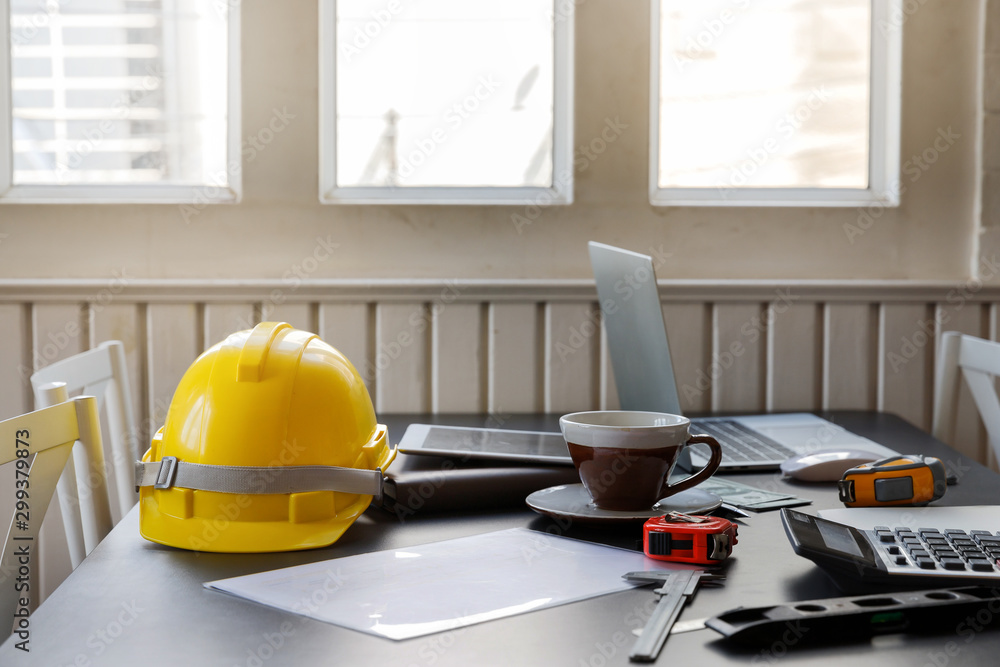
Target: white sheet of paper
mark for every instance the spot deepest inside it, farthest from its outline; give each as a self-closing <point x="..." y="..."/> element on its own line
<point x="404" y="593"/>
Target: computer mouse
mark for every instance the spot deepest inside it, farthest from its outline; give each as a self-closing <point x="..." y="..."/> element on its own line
<point x="826" y="465"/>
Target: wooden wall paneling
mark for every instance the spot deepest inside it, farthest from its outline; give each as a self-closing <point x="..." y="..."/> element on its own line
<point x="458" y="375"/>
<point x="516" y="354"/>
<point x="739" y="346"/>
<point x="850" y="356"/>
<point x="572" y="356"/>
<point x="346" y="327"/>
<point x="16" y="360"/>
<point x="59" y="330"/>
<point x="222" y="319"/>
<point x="126" y="322"/>
<point x="794" y="355"/>
<point x="689" y="330"/>
<point x="906" y="361"/>
<point x="173" y="342"/>
<point x="301" y="315"/>
<point x="402" y="357"/>
<point x="15" y="399"/>
<point x="973" y="319"/>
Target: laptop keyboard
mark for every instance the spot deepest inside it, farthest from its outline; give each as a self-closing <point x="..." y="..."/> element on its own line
<point x="740" y="445"/>
<point x="931" y="549"/>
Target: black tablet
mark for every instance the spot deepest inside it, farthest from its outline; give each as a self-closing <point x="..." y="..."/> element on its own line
<point x="486" y="443"/>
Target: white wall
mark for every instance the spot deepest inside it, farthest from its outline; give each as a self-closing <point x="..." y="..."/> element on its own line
<point x="276" y="226"/>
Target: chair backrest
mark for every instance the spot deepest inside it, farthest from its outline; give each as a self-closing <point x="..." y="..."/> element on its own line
<point x="48" y="434"/>
<point x="101" y="372"/>
<point x="978" y="361"/>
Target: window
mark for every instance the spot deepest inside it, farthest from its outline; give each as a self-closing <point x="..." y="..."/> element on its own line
<point x="445" y="101"/>
<point x="119" y="101"/>
<point x="775" y="103"/>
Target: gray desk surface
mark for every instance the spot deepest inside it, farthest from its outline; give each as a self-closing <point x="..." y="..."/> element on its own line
<point x="136" y="603"/>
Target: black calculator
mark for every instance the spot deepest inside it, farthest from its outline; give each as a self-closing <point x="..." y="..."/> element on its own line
<point x="897" y="555"/>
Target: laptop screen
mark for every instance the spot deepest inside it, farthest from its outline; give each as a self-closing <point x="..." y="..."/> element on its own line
<point x="637" y="337"/>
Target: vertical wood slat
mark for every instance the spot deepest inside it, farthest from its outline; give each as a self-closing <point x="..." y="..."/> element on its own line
<point x="402" y="363"/>
<point x="515" y="357"/>
<point x="689" y="333"/>
<point x="345" y="327"/>
<point x="300" y="315"/>
<point x="572" y="357"/>
<point x="850" y="356"/>
<point x="222" y="319"/>
<point x="906" y="361"/>
<point x="124" y="322"/>
<point x="173" y="342"/>
<point x="457" y="376"/>
<point x="16" y="356"/>
<point x="795" y="355"/>
<point x="739" y="345"/>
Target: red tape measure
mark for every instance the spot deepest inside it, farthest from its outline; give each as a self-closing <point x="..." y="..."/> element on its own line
<point x="684" y="538"/>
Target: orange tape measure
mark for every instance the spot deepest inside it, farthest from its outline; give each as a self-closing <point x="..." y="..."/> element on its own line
<point x="898" y="480"/>
<point x="684" y="538"/>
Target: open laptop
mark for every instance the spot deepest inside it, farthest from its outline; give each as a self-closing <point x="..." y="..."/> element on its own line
<point x="644" y="375"/>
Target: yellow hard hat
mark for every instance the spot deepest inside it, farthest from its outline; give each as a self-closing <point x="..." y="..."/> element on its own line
<point x="270" y="444"/>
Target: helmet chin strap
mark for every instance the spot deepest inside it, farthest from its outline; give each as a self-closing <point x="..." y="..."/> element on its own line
<point x="171" y="472"/>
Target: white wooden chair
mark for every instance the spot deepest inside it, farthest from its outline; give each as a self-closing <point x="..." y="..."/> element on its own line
<point x="978" y="361"/>
<point x="48" y="434"/>
<point x="100" y="372"/>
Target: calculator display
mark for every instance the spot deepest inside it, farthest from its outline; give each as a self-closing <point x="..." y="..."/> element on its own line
<point x="827" y="538"/>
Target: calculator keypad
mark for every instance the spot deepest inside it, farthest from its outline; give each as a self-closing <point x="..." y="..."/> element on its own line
<point x="932" y="549"/>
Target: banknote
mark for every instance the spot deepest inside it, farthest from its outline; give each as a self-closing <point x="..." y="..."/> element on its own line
<point x="750" y="497"/>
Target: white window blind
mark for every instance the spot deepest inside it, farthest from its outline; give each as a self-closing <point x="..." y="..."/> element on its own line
<point x="120" y="99"/>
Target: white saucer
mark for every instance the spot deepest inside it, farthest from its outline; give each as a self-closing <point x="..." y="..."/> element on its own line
<point x="571" y="501"/>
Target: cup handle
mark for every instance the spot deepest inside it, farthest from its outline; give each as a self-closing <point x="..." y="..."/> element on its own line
<point x="701" y="475"/>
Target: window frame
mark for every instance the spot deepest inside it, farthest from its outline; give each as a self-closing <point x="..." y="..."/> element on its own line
<point x="126" y="193"/>
<point x="885" y="103"/>
<point x="561" y="190"/>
